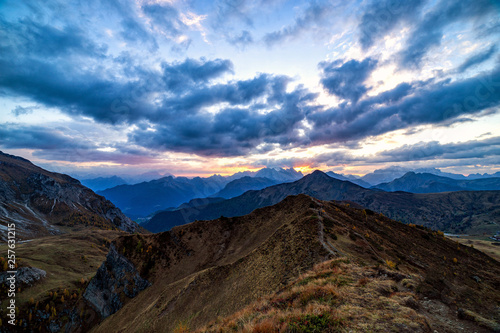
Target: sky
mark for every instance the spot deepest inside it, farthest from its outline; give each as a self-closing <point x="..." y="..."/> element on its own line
<point x="195" y="87"/>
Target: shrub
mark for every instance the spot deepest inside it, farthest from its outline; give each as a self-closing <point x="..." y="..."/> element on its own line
<point x="391" y="264"/>
<point x="266" y="326"/>
<point x="314" y="323"/>
<point x="181" y="328"/>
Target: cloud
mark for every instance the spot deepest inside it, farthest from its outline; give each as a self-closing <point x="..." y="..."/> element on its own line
<point x="434" y="150"/>
<point x="227" y="10"/>
<point x="313" y="15"/>
<point x="381" y="17"/>
<point x="29" y="38"/>
<point x="19" y="110"/>
<point x="477" y="59"/>
<point x="184" y="75"/>
<point x="64" y="144"/>
<point x="243" y="39"/>
<point x="110" y="99"/>
<point x="17" y="136"/>
<point x="426" y="103"/>
<point x="345" y="80"/>
<point x="430" y="30"/>
<point x="134" y="31"/>
<point x="166" y="20"/>
<point x="234" y="131"/>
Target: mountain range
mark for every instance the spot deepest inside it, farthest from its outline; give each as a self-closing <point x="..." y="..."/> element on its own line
<point x="145" y="198"/>
<point x="458" y="212"/>
<point x="239" y="186"/>
<point x="389" y="174"/>
<point x="102" y="183"/>
<point x="429" y="183"/>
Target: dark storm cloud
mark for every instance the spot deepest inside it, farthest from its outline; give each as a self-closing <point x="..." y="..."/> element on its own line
<point x="381" y="17"/>
<point x="346" y="114"/>
<point x="477" y="59"/>
<point x="232" y="131"/>
<point x="113" y="100"/>
<point x="345" y="80"/>
<point x="427" y="103"/>
<point x="234" y="93"/>
<point x="430" y="30"/>
<point x="314" y="14"/>
<point x="190" y="106"/>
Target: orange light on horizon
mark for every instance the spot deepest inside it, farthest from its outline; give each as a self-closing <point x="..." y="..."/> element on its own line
<point x="304" y="169"/>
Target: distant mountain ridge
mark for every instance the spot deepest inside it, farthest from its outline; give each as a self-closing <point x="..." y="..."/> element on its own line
<point x="143" y="199"/>
<point x="239" y="186"/>
<point x="452" y="212"/>
<point x="102" y="183"/>
<point x="429" y="183"/>
<point x="42" y="203"/>
<point x="349" y="178"/>
<point x="389" y="174"/>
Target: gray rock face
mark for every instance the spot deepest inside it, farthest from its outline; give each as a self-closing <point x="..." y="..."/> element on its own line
<point x="116" y="276"/>
<point x="25" y="275"/>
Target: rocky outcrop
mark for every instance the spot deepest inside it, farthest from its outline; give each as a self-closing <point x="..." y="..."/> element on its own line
<point x="25" y="276"/>
<point x="117" y="276"/>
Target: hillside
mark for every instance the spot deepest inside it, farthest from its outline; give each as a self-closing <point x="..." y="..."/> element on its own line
<point x="458" y="212"/>
<point x="429" y="183"/>
<point x="42" y="203"/>
<point x="186" y="278"/>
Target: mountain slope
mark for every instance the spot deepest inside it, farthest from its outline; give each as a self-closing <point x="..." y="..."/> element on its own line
<point x="239" y="186"/>
<point x="42" y="203"/>
<point x="195" y="273"/>
<point x="452" y="212"/>
<point x="429" y="183"/>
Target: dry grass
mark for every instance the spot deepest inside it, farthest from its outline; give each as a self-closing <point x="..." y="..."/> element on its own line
<point x="66" y="258"/>
<point x="336" y="296"/>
